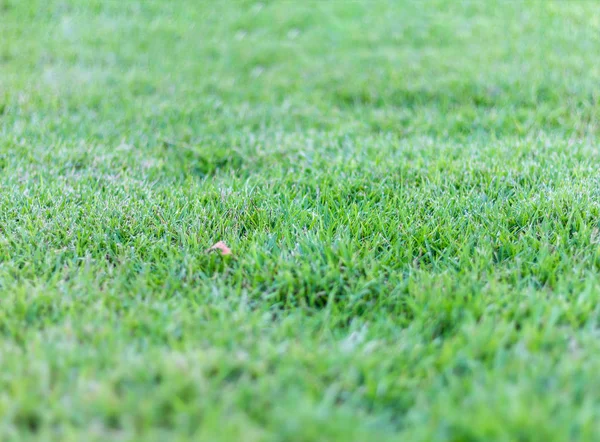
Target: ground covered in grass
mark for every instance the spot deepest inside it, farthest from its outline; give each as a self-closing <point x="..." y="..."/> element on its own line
<point x="410" y="191"/>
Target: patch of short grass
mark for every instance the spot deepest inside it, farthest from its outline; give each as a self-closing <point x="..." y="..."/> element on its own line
<point x="410" y="191"/>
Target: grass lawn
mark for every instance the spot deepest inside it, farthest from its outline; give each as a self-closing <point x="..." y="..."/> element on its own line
<point x="411" y="194"/>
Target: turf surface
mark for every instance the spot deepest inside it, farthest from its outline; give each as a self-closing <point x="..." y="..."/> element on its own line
<point x="410" y="191"/>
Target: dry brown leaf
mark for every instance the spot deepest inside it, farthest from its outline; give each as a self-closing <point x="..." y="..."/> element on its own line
<point x="221" y="247"/>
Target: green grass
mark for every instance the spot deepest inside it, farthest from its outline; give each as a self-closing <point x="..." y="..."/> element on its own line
<point x="410" y="190"/>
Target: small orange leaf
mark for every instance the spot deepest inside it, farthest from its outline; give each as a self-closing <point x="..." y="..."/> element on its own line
<point x="220" y="246"/>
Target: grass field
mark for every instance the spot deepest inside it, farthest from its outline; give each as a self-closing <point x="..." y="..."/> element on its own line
<point x="410" y="191"/>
